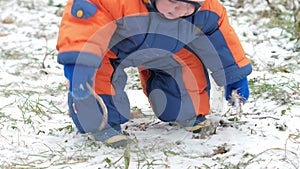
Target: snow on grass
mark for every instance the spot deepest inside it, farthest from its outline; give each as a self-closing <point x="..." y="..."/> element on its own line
<point x="37" y="132"/>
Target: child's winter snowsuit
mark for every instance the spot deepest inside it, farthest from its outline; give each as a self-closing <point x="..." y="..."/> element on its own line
<point x="173" y="56"/>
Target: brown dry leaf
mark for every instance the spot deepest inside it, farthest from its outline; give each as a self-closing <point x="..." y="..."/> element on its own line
<point x="2" y="35"/>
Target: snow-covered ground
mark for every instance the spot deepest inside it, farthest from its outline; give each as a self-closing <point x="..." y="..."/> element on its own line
<point x="37" y="132"/>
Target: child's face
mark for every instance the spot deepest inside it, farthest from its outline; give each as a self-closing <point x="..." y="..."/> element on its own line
<point x="173" y="9"/>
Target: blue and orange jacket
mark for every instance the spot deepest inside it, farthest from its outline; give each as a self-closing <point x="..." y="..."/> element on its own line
<point x="94" y="29"/>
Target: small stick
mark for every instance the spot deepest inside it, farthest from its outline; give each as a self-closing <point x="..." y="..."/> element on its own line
<point x="235" y="101"/>
<point x="102" y="104"/>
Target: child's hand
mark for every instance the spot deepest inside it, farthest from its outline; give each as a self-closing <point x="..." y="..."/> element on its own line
<point x="79" y="75"/>
<point x="241" y="87"/>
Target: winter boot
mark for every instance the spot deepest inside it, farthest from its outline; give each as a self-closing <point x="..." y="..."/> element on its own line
<point x="200" y="125"/>
<point x="112" y="137"/>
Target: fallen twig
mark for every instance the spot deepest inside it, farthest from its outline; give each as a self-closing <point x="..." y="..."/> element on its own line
<point x="266" y="117"/>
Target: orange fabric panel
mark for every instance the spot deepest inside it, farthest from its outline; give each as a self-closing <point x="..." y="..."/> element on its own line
<point x="90" y="35"/>
<point x="213" y="6"/>
<point x="122" y="8"/>
<point x="195" y="80"/>
<point x="228" y="32"/>
<point x="144" y="76"/>
<point x="103" y="84"/>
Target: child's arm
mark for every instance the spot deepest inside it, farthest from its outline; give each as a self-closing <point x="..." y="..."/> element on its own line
<point x="84" y="34"/>
<point x="219" y="47"/>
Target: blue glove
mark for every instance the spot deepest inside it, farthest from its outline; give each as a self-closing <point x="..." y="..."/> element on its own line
<point x="78" y="76"/>
<point x="241" y="87"/>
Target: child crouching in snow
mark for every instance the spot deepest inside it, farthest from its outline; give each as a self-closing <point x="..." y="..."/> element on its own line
<point x="172" y="42"/>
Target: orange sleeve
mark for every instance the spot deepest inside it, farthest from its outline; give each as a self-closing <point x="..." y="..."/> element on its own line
<point x="85" y="28"/>
<point x="227" y="31"/>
